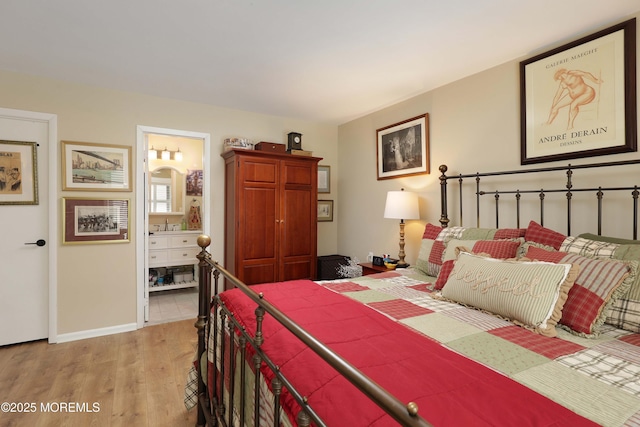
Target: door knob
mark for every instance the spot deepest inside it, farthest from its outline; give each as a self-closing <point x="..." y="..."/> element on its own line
<point x="39" y="242"/>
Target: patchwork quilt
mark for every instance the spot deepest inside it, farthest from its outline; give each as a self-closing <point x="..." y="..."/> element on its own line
<point x="598" y="378"/>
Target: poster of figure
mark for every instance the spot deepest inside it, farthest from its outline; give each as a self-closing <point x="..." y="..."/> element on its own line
<point x="18" y="173"/>
<point x="10" y="172"/>
<point x="574" y="100"/>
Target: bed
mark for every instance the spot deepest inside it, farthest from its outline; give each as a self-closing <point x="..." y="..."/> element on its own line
<point x="514" y="323"/>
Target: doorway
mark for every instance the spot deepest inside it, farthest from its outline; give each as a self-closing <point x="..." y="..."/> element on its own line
<point x="28" y="303"/>
<point x="166" y="199"/>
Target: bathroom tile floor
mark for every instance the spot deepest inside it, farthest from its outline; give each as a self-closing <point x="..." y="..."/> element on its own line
<point x="173" y="305"/>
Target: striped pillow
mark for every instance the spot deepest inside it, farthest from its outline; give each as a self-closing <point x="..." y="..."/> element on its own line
<point x="599" y="283"/>
<point x="529" y="293"/>
<point x="493" y="248"/>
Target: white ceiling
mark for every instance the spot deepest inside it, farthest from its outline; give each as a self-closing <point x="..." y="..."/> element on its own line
<point x="324" y="60"/>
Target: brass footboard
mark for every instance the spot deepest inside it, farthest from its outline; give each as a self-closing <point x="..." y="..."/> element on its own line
<point x="217" y="409"/>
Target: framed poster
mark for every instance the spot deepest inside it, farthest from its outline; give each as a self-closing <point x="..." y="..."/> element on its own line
<point x="95" y="167"/>
<point x="324" y="179"/>
<point x="18" y="173"/>
<point x="88" y="220"/>
<point x="403" y="148"/>
<point x="579" y="100"/>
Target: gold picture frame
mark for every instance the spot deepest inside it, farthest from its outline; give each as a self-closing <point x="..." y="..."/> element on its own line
<point x="91" y="220"/>
<point x="95" y="167"/>
<point x="325" y="210"/>
<point x="18" y="173"/>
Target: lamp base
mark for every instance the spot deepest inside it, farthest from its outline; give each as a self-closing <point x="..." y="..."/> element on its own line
<point x="402" y="264"/>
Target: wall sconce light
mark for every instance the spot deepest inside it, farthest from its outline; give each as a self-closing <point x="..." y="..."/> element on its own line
<point x="402" y="205"/>
<point x="165" y="154"/>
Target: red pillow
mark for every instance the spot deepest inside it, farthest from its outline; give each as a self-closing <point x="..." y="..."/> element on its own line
<point x="431" y="231"/>
<point x="545" y="236"/>
<point x="501" y="249"/>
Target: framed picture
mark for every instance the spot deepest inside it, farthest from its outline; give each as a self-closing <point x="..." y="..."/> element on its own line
<point x="403" y="148"/>
<point x="18" y="173"/>
<point x="579" y="100"/>
<point x="88" y="220"/>
<point x="325" y="210"/>
<point x="95" y="167"/>
<point x="194" y="182"/>
<point x="324" y="179"/>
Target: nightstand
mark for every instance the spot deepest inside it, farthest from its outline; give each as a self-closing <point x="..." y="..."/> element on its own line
<point x="368" y="268"/>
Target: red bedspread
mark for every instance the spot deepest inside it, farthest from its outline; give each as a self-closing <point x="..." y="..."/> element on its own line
<point x="450" y="390"/>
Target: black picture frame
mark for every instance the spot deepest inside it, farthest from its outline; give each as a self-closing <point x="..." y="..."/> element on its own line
<point x="579" y="100"/>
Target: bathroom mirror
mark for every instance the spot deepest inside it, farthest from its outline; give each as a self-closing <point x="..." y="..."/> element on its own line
<point x="166" y="191"/>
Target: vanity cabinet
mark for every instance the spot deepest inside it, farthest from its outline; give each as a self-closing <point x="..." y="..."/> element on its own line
<point x="174" y="249"/>
<point x="271" y="215"/>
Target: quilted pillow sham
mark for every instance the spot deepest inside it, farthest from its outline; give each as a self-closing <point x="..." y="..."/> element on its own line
<point x="528" y="293"/>
<point x="599" y="283"/>
<point x="431" y="249"/>
<point x="624" y="313"/>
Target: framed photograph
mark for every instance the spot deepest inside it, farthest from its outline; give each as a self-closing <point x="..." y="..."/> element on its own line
<point x="403" y="148"/>
<point x="194" y="182"/>
<point x="88" y="220"/>
<point x="325" y="210"/>
<point x="324" y="179"/>
<point x="579" y="100"/>
<point x="18" y="173"/>
<point x="95" y="167"/>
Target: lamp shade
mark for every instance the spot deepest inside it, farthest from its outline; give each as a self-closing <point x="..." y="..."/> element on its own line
<point x="402" y="205"/>
<point x="153" y="154"/>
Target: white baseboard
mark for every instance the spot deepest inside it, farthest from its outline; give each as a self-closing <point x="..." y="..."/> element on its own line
<point x="92" y="333"/>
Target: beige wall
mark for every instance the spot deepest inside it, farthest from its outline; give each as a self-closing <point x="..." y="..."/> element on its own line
<point x="97" y="283"/>
<point x="475" y="126"/>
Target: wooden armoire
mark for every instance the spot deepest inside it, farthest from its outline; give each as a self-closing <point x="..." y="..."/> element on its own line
<point x="271" y="213"/>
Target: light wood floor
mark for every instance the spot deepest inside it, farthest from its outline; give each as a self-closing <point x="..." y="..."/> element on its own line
<point x="136" y="378"/>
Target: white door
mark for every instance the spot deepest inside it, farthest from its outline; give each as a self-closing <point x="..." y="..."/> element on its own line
<point x="24" y="266"/>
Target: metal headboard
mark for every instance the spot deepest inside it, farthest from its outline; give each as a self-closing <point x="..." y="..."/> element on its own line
<point x="569" y="189"/>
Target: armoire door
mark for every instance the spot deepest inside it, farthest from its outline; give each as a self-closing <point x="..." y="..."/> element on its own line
<point x="298" y="220"/>
<point x="258" y="220"/>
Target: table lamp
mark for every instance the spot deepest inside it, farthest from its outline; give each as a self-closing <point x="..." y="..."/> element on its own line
<point x="402" y="205"/>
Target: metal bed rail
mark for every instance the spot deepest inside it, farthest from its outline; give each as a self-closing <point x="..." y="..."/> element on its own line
<point x="215" y="410"/>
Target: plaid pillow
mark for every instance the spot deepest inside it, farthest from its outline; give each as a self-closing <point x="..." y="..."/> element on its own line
<point x="539" y="234"/>
<point x="599" y="283"/>
<point x="624" y="312"/>
<point x="588" y="248"/>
